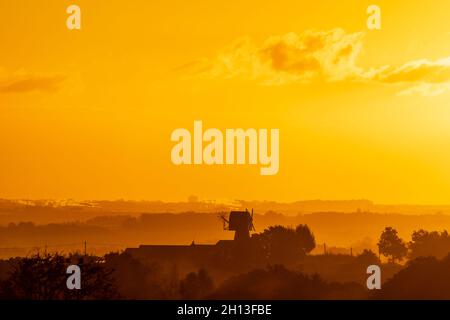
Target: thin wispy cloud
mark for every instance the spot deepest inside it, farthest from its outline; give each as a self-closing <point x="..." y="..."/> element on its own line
<point x="427" y="77"/>
<point x="29" y="83"/>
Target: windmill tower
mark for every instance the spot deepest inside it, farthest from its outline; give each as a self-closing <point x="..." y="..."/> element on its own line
<point x="241" y="222"/>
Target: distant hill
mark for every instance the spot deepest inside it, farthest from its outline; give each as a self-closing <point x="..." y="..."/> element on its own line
<point x="65" y="228"/>
<point x="51" y="211"/>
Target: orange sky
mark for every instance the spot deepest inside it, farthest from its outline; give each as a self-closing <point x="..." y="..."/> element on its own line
<point x="88" y="114"/>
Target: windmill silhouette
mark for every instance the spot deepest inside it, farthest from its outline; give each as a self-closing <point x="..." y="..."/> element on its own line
<point x="241" y="222"/>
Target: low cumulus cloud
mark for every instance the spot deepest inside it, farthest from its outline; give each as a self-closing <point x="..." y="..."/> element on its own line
<point x="20" y="83"/>
<point x="320" y="55"/>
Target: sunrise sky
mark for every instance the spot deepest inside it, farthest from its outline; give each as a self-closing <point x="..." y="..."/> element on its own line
<point x="362" y="114"/>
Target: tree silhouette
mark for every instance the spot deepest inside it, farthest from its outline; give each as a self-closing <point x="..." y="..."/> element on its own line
<point x="285" y="244"/>
<point x="424" y="243"/>
<point x="37" y="278"/>
<point x="43" y="277"/>
<point x="137" y="279"/>
<point x="390" y="245"/>
<point x="305" y="238"/>
<point x="277" y="282"/>
<point x="196" y="285"/>
<point x="425" y="278"/>
<point x="367" y="257"/>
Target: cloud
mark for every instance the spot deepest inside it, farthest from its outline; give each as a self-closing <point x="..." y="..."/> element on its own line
<point x="417" y="71"/>
<point x="292" y="57"/>
<point x="20" y="83"/>
<point x="426" y="89"/>
<point x="429" y="78"/>
<point x="328" y="56"/>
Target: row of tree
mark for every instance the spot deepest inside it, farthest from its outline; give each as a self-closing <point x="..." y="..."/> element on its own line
<point x="423" y="243"/>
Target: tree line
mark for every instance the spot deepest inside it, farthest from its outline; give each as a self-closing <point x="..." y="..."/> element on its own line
<point x="423" y="243"/>
<point x="276" y="271"/>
